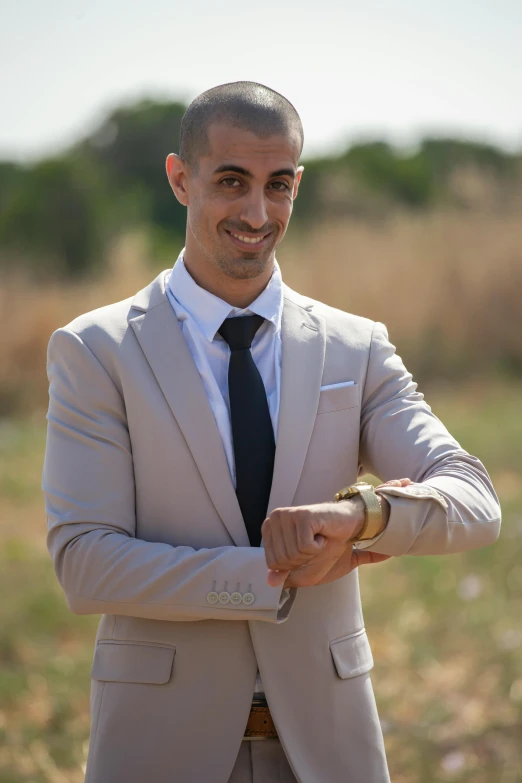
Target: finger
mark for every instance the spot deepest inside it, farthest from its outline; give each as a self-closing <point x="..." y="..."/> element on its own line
<point x="268" y="546"/>
<point x="276" y="578"/>
<point x="403" y="482"/>
<point x="280" y="561"/>
<point x="367" y="558"/>
<point x="288" y="552"/>
<point x="340" y="568"/>
<point x="307" y="541"/>
<point x="296" y="557"/>
<point x="312" y="573"/>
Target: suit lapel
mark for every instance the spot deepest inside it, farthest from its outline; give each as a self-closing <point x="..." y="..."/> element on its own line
<point x="165" y="348"/>
<point x="303" y="340"/>
<point x="303" y="351"/>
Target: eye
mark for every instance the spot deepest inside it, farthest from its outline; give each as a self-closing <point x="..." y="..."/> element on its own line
<point x="280" y="185"/>
<point x="230" y="182"/>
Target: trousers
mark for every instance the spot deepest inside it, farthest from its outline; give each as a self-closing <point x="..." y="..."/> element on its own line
<point x="262" y="761"/>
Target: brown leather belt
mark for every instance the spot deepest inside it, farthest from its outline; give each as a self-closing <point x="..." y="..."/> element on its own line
<point x="260" y="724"/>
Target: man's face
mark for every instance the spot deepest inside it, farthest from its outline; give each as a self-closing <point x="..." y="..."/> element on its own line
<point x="240" y="199"/>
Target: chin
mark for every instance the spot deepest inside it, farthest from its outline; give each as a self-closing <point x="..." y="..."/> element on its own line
<point x="246" y="267"/>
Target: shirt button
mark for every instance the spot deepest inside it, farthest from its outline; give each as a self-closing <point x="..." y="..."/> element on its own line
<point x="212" y="597"/>
<point x="249" y="598"/>
<point x="224" y="597"/>
<point x="236" y="598"/>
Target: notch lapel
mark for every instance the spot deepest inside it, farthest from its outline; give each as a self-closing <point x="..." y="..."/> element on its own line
<point x="165" y="348"/>
<point x="303" y="351"/>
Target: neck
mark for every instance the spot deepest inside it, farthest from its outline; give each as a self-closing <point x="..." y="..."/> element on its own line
<point x="236" y="292"/>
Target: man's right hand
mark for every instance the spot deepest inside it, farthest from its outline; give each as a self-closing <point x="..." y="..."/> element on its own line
<point x="328" y="562"/>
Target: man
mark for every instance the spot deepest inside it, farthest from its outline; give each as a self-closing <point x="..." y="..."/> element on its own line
<point x="198" y="434"/>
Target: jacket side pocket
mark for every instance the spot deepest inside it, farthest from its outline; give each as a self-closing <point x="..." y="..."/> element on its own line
<point x="352" y="654"/>
<point x="132" y="661"/>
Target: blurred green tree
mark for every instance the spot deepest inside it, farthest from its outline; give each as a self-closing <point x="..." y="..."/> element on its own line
<point x="52" y="218"/>
<point x="131" y="146"/>
<point x="57" y="216"/>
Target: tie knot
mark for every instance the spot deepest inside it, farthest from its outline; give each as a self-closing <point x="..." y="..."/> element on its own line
<point x="239" y="332"/>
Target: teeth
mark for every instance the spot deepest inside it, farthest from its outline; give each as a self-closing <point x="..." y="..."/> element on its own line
<point x="249" y="240"/>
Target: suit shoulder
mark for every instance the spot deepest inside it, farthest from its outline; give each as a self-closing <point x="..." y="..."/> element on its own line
<point x="106" y="324"/>
<point x="109" y="325"/>
<point x="339" y="323"/>
<point x="105" y="333"/>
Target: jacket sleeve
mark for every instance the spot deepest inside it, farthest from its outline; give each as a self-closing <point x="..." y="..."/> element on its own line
<point x="452" y="506"/>
<point x="88" y="484"/>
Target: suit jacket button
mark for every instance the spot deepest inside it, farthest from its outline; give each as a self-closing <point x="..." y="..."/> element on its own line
<point x="249" y="598"/>
<point x="224" y="597"/>
<point x="212" y="597"/>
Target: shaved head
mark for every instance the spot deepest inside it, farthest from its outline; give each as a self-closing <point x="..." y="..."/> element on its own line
<point x="245" y="105"/>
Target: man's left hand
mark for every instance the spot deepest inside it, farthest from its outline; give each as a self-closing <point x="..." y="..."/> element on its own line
<point x="311" y="545"/>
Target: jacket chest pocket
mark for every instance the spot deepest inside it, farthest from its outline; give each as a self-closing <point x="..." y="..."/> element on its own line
<point x="130" y="661"/>
<point x="338" y="398"/>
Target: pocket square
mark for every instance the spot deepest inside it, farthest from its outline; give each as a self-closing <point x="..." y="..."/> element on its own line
<point x="338" y="385"/>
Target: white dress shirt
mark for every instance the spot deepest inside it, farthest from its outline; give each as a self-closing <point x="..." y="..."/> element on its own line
<point x="200" y="314"/>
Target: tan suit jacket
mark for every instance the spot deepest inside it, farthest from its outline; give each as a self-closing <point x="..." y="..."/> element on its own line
<point x="144" y="523"/>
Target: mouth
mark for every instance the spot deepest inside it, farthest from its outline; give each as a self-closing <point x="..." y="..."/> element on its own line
<point x="249" y="242"/>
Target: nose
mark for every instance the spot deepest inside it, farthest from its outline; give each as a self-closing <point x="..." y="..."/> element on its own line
<point x="253" y="208"/>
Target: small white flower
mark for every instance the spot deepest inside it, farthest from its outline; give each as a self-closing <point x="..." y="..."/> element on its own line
<point x="453" y="762"/>
<point x="470" y="587"/>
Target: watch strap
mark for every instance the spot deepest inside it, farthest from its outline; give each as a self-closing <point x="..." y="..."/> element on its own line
<point x="373" y="521"/>
<point x="372" y="515"/>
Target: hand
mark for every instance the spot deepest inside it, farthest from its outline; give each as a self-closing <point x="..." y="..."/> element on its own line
<point x="295" y="547"/>
<point x="313" y="542"/>
<point x="312" y="574"/>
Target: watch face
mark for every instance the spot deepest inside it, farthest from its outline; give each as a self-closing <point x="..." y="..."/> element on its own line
<point x="353" y="489"/>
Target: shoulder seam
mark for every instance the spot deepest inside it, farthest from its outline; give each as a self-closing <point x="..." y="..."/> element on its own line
<point x="91" y="352"/>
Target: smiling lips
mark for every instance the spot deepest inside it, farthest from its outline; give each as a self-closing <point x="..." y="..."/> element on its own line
<point x="248" y="240"/>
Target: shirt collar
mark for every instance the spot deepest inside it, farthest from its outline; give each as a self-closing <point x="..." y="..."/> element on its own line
<point x="209" y="311"/>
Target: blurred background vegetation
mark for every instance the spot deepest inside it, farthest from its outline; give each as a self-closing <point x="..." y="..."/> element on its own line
<point x="427" y="240"/>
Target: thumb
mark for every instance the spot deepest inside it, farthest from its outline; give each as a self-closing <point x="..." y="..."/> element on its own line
<point x="367" y="558"/>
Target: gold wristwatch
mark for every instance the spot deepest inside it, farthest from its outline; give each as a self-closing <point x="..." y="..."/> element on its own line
<point x="373" y="521"/>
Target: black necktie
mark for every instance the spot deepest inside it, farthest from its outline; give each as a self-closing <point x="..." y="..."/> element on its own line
<point x="252" y="433"/>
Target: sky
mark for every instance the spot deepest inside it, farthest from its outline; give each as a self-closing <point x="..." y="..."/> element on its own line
<point x="391" y="69"/>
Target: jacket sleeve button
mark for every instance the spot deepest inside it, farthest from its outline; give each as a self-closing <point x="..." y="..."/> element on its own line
<point x="224" y="597"/>
<point x="249" y="598"/>
<point x="212" y="597"/>
<point x="236" y="598"/>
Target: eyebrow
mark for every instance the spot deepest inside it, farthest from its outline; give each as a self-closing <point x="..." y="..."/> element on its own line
<point x="240" y="170"/>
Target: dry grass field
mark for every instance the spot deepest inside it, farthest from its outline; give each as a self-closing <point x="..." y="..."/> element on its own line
<point x="448" y="286"/>
<point x="445" y="631"/>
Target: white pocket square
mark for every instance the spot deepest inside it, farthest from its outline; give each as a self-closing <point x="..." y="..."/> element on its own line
<point x="337" y="385"/>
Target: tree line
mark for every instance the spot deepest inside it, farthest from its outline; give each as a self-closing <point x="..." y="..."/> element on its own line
<point x="58" y="215"/>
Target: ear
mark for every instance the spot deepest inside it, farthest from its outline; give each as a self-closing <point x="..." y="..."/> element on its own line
<point x="298" y="175"/>
<point x="177" y="176"/>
